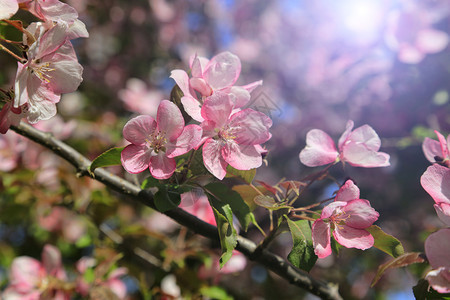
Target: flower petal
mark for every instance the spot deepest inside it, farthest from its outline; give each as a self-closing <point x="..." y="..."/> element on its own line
<point x="26" y="273"/>
<point x="182" y="80"/>
<point x="359" y="155"/>
<point x="217" y="108"/>
<point x="439" y="279"/>
<point x="135" y="158"/>
<point x="431" y="40"/>
<point x="436" y="248"/>
<point x="251" y="86"/>
<point x="431" y="149"/>
<point x="359" y="214"/>
<point x="189" y="139"/>
<point x="242" y="96"/>
<point x="222" y="70"/>
<point x="242" y="157"/>
<point x="251" y="127"/>
<point x="321" y="238"/>
<point x="8" y="8"/>
<point x="443" y="212"/>
<point x="352" y="237"/>
<point x="348" y="191"/>
<point x="161" y="166"/>
<point x="192" y="107"/>
<point x="320" y="149"/>
<point x="169" y="120"/>
<point x="344" y="136"/>
<point x="213" y="160"/>
<point x="436" y="182"/>
<point x="138" y="129"/>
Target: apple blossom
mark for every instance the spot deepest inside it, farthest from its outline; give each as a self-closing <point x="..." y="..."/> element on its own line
<point x="31" y="278"/>
<point x="155" y="143"/>
<point x="437" y="151"/>
<point x="11" y="148"/>
<point x="358" y="148"/>
<point x="348" y="217"/>
<point x="209" y="76"/>
<point x="196" y="203"/>
<point x="436" y="182"/>
<point x="232" y="138"/>
<point x="137" y="98"/>
<point x="8" y="8"/>
<point x="51" y="70"/>
<point x="437" y="247"/>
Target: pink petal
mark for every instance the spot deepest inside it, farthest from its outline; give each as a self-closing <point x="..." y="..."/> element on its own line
<point x="118" y="287"/>
<point x="359" y="214"/>
<point x="443" y="144"/>
<point x="21" y="85"/>
<point x="242" y="157"/>
<point x="436" y="181"/>
<point x="138" y="129"/>
<point x="359" y="155"/>
<point x="321" y="238"/>
<point x="443" y="212"/>
<point x="334" y="208"/>
<point x="135" y="158"/>
<point x="169" y="120"/>
<point x="439" y="279"/>
<point x="431" y="40"/>
<point x="196" y="203"/>
<point x="431" y="149"/>
<point x="51" y="41"/>
<point x="364" y="135"/>
<point x="200" y="85"/>
<point x="42" y="109"/>
<point x="222" y="70"/>
<point x="53" y="10"/>
<point x="236" y="263"/>
<point x="242" y="96"/>
<point x="182" y="80"/>
<point x="437" y="247"/>
<point x="217" y="108"/>
<point x="197" y="65"/>
<point x="189" y="139"/>
<point x="410" y="54"/>
<point x="320" y="149"/>
<point x="353" y="238"/>
<point x="192" y="107"/>
<point x="77" y="30"/>
<point x="251" y="127"/>
<point x="213" y="160"/>
<point x="348" y="191"/>
<point x="161" y="166"/>
<point x="51" y="259"/>
<point x="26" y="273"/>
<point x="345" y="135"/>
<point x="252" y="86"/>
<point x="8" y="8"/>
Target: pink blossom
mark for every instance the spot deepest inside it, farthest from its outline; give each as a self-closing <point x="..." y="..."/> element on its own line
<point x="11" y="148"/>
<point x="60" y="219"/>
<point x="209" y="76"/>
<point x="8" y="8"/>
<point x="10" y="116"/>
<point x="437" y="151"/>
<point x="196" y="203"/>
<point x="436" y="181"/>
<point x="51" y="70"/>
<point x="411" y="34"/>
<point x="56" y="11"/>
<point x="155" y="143"/>
<point x="232" y="138"/>
<point x="358" y="148"/>
<point x="139" y="99"/>
<point x="349" y="217"/>
<point x="437" y="247"/>
<point x="30" y="278"/>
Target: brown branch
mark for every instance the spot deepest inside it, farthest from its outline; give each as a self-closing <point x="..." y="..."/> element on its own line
<point x="271" y="261"/>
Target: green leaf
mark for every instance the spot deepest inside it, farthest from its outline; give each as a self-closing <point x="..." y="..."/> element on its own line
<point x="248" y="193"/>
<point x="108" y="158"/>
<point x="401" y="261"/>
<point x="150" y="182"/>
<point x="167" y="197"/>
<point x="386" y="242"/>
<point x="302" y="254"/>
<point x="215" y="292"/>
<point x="269" y="203"/>
<point x="225" y="195"/>
<point x="227" y="233"/>
<point x="246" y="175"/>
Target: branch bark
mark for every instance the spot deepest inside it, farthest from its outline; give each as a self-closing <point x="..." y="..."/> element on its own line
<point x="271" y="261"/>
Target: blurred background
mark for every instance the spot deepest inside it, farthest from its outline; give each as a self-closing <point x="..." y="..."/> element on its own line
<point x="385" y="63"/>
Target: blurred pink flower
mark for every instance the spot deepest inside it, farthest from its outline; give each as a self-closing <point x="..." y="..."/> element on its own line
<point x="349" y="216"/>
<point x="235" y="264"/>
<point x="411" y="34"/>
<point x="137" y="98"/>
<point x="155" y="143"/>
<point x="60" y="219"/>
<point x="30" y="278"/>
<point x="52" y="69"/>
<point x="437" y="151"/>
<point x="11" y="147"/>
<point x="210" y="76"/>
<point x="8" y="8"/>
<point x="196" y="203"/>
<point x="436" y="182"/>
<point x="437" y="247"/>
<point x="232" y="138"/>
<point x="359" y="148"/>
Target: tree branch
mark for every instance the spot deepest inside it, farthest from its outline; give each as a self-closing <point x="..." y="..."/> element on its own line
<point x="271" y="261"/>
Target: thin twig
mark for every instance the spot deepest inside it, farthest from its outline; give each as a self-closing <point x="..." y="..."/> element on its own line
<point x="271" y="261"/>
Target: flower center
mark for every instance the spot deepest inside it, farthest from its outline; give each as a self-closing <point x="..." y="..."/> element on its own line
<point x="227" y="133"/>
<point x="41" y="70"/>
<point x="156" y="141"/>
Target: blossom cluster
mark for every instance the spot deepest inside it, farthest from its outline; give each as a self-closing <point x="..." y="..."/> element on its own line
<point x="436" y="182"/>
<point x="49" y="66"/>
<point x="228" y="133"/>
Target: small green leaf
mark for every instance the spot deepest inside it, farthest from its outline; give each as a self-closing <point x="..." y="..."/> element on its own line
<point x="215" y="292"/>
<point x="108" y="158"/>
<point x="386" y="242"/>
<point x="225" y="195"/>
<point x="269" y="203"/>
<point x="302" y="254"/>
<point x="248" y="193"/>
<point x="227" y="233"/>
<point x="246" y="175"/>
<point x="150" y="182"/>
<point x="167" y="197"/>
<point x="401" y="261"/>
